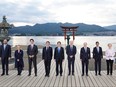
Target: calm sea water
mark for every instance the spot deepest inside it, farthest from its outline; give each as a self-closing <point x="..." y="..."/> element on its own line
<point x="79" y="40"/>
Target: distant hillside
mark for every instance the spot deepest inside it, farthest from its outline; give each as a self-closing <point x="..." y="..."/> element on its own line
<point x="112" y="27"/>
<point x="54" y="28"/>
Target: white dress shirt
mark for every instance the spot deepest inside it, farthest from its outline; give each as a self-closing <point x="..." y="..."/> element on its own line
<point x="5" y="46"/>
<point x="109" y="54"/>
<point x="97" y="49"/>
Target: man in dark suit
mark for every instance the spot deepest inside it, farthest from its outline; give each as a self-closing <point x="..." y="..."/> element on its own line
<point x="5" y="54"/>
<point x="47" y="57"/>
<point x="85" y="56"/>
<point x="32" y="51"/>
<point x="71" y="51"/>
<point x="59" y="57"/>
<point x="97" y="55"/>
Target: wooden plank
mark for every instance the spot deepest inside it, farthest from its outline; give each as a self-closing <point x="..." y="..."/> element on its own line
<point x="43" y="79"/>
<point x="29" y="78"/>
<point x="53" y="77"/>
<point x="77" y="80"/>
<point x="62" y="77"/>
<point x="5" y="79"/>
<point x="65" y="74"/>
<point x="109" y="79"/>
<point x="40" y="70"/>
<point x="65" y="81"/>
<point x="79" y="69"/>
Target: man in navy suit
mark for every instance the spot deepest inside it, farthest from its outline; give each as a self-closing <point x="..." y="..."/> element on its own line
<point x="71" y="51"/>
<point x="85" y="56"/>
<point x="47" y="57"/>
<point x="97" y="55"/>
<point x="5" y="54"/>
<point x="59" y="57"/>
<point x="32" y="51"/>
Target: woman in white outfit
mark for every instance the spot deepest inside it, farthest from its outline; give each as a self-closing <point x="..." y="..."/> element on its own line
<point x="109" y="58"/>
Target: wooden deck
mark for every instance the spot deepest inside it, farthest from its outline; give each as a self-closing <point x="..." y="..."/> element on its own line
<point x="60" y="81"/>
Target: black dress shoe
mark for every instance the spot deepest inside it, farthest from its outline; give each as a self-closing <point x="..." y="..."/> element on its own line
<point x="2" y="74"/>
<point x="82" y="75"/>
<point x="7" y="74"/>
<point x="73" y="74"/>
<point x="29" y="75"/>
<point x="60" y="74"/>
<point x="95" y="74"/>
<point x="87" y="75"/>
<point x="19" y="74"/>
<point x="69" y="74"/>
<point x="56" y="74"/>
<point x="48" y="75"/>
<point x="99" y="74"/>
<point x="35" y="74"/>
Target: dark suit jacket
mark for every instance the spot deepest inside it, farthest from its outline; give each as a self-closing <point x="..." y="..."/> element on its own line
<point x="33" y="51"/>
<point x="19" y="55"/>
<point x="85" y="55"/>
<point x="47" y="54"/>
<point x="97" y="55"/>
<point x="69" y="52"/>
<point x="5" y="53"/>
<point x="59" y="56"/>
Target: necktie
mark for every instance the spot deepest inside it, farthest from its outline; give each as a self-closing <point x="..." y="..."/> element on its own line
<point x="71" y="48"/>
<point x="47" y="48"/>
<point x="58" y="50"/>
<point x="98" y="49"/>
<point x="4" y="46"/>
<point x="31" y="46"/>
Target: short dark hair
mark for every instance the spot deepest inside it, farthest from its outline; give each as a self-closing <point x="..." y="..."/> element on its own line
<point x="48" y="42"/>
<point x="5" y="39"/>
<point x="32" y="40"/>
<point x="58" y="42"/>
<point x="97" y="42"/>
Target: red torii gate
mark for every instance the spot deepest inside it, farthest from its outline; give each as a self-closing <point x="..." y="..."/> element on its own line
<point x="66" y="29"/>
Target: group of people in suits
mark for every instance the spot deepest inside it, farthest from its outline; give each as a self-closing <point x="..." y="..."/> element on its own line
<point x="47" y="54"/>
<point x="85" y="55"/>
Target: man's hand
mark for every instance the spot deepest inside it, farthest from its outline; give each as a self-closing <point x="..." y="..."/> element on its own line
<point x="71" y="56"/>
<point x="18" y="60"/>
<point x="9" y="58"/>
<point x="32" y="56"/>
<point x="29" y="56"/>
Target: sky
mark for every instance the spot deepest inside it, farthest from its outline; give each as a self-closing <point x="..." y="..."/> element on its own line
<point x="30" y="12"/>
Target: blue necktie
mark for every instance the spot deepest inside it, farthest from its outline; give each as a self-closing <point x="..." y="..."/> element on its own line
<point x="71" y="48"/>
<point x="58" y="50"/>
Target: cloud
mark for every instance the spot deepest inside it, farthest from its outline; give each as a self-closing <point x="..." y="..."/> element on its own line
<point x="101" y="12"/>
